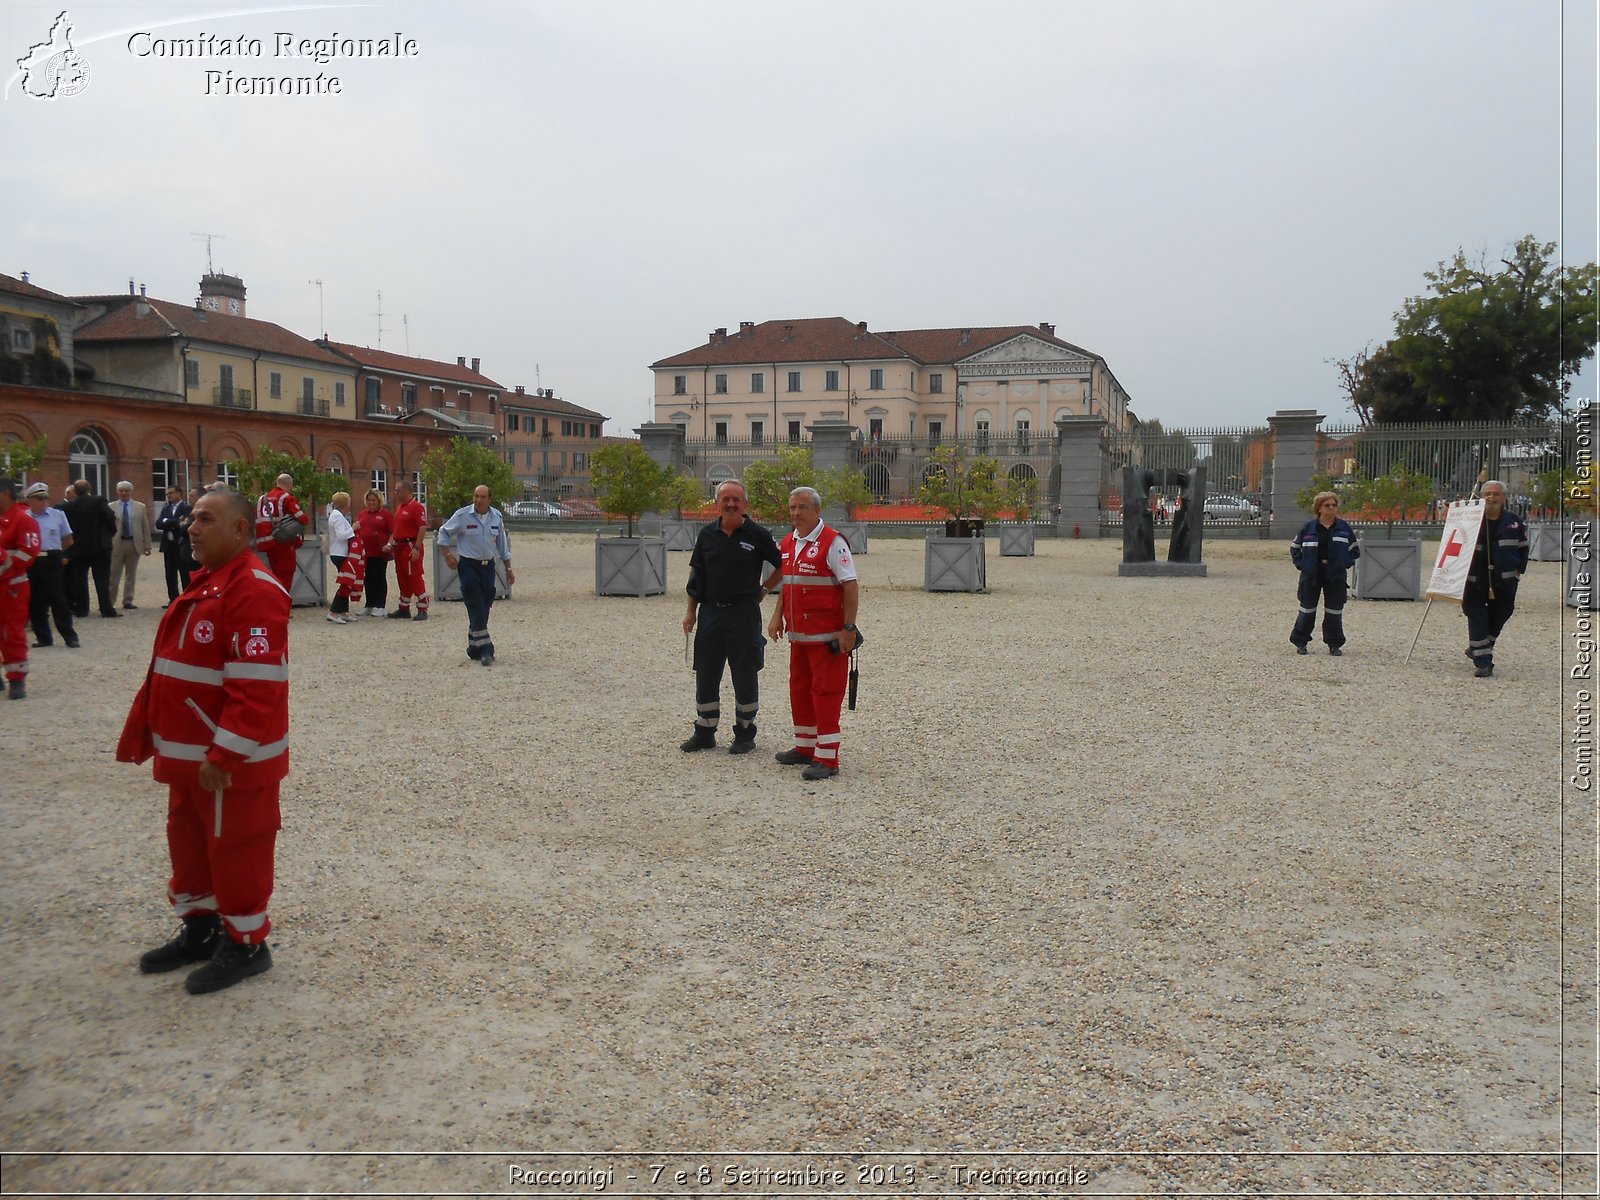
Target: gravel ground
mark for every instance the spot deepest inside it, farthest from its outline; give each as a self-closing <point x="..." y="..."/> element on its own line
<point x="1109" y="872"/>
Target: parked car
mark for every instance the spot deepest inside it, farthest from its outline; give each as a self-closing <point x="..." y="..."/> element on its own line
<point x="1234" y="507"/>
<point x="527" y="510"/>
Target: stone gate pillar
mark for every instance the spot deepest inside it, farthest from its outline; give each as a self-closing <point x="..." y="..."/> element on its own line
<point x="663" y="442"/>
<point x="1294" y="462"/>
<point x="1078" y="454"/>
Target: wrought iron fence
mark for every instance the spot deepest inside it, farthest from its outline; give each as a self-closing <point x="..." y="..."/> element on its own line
<point x="1452" y="456"/>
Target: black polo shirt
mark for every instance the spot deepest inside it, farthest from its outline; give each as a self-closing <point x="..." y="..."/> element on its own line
<point x="727" y="568"/>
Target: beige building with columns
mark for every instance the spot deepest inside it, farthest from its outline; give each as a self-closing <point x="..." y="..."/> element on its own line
<point x="768" y="381"/>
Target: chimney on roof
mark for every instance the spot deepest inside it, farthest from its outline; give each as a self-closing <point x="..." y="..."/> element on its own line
<point x="461" y="360"/>
<point x="475" y="363"/>
<point x="719" y="335"/>
<point x="24" y="277"/>
<point x="1047" y="329"/>
<point x="861" y="326"/>
<point x="130" y="285"/>
<point x="141" y="290"/>
<point x="520" y="392"/>
<point x="966" y="336"/>
<point x="788" y="333"/>
<point x="747" y="326"/>
<point x="891" y="337"/>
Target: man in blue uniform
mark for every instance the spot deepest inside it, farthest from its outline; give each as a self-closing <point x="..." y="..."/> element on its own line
<point x="472" y="540"/>
<point x="1498" y="561"/>
<point x="47" y="578"/>
<point x="733" y="560"/>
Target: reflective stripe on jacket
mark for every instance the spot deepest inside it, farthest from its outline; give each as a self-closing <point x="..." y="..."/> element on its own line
<point x="218" y="686"/>
<point x="813" y="600"/>
<point x="1343" y="549"/>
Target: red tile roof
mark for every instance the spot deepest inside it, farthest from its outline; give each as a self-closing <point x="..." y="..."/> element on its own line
<point x="19" y="287"/>
<point x="422" y="368"/>
<point x="527" y="402"/>
<point x="828" y="339"/>
<point x="136" y="319"/>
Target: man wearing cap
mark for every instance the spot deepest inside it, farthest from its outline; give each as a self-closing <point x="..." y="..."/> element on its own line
<point x="132" y="540"/>
<point x="46" y="579"/>
<point x="19" y="546"/>
<point x="472" y="539"/>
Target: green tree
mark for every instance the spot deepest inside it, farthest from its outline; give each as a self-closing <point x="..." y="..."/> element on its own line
<point x="628" y="482"/>
<point x="963" y="488"/>
<point x="846" y="487"/>
<point x="18" y="458"/>
<point x="1389" y="498"/>
<point x="683" y="491"/>
<point x="1485" y="345"/>
<point x="1319" y="483"/>
<point x="313" y="486"/>
<point x="452" y="473"/>
<point x="769" y="482"/>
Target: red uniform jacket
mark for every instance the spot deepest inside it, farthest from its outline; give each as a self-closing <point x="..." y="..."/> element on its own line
<point x="813" y="603"/>
<point x="408" y="520"/>
<point x="352" y="578"/>
<point x="218" y="686"/>
<point x="19" y="545"/>
<point x="275" y="504"/>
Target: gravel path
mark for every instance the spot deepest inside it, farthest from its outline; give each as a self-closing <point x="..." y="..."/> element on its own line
<point x="1107" y="869"/>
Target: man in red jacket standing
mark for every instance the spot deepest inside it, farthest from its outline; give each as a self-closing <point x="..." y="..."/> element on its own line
<point x="214" y="713"/>
<point x="19" y="546"/>
<point x="409" y="517"/>
<point x="271" y="509"/>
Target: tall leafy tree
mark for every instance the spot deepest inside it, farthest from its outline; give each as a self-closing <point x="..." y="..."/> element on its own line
<point x="313" y="486"/>
<point x="1485" y="345"/>
<point x="453" y="472"/>
<point x="628" y="482"/>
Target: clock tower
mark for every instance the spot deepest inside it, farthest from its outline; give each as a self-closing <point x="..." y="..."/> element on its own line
<point x="222" y="293"/>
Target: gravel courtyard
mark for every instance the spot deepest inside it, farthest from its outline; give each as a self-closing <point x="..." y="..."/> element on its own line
<point x="1108" y="873"/>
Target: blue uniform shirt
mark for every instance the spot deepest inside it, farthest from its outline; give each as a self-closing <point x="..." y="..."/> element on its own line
<point x="52" y="528"/>
<point x="471" y="534"/>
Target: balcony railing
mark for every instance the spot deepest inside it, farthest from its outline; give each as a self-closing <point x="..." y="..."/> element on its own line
<point x="381" y="412"/>
<point x="310" y="407"/>
<point x="232" y="397"/>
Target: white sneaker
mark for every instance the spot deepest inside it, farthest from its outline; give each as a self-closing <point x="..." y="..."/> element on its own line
<point x="338" y="620"/>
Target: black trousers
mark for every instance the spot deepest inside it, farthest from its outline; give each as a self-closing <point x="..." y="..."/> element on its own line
<point x="48" y="597"/>
<point x="79" y="568"/>
<point x="1333" y="593"/>
<point x="728" y="637"/>
<point x="177" y="566"/>
<point x="376" y="587"/>
<point x="1486" y="618"/>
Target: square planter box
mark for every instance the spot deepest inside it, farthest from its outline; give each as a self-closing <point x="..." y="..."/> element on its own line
<point x="1016" y="541"/>
<point x="855" y="531"/>
<point x="1548" y="541"/>
<point x="447" y="581"/>
<point x="630" y="566"/>
<point x="954" y="564"/>
<point x="1389" y="569"/>
<point x="680" y="535"/>
<point x="310" y="574"/>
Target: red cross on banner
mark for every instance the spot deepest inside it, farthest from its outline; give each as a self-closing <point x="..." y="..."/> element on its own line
<point x="1452" y="547"/>
<point x="1462" y="522"/>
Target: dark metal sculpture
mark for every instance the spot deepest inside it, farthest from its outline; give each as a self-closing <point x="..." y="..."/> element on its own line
<point x="1138" y="523"/>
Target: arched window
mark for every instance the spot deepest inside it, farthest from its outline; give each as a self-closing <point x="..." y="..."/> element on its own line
<point x="88" y="459"/>
<point x="716" y="477"/>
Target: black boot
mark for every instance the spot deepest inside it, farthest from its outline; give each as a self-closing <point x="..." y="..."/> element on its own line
<point x="232" y="962"/>
<point x="195" y="943"/>
<point x="17" y="689"/>
<point x="703" y="739"/>
<point x="744" y="739"/>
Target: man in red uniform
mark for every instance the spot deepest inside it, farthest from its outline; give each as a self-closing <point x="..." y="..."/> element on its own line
<point x="271" y="509"/>
<point x="19" y="546"/>
<point x="409" y="518"/>
<point x="214" y="713"/>
<point x="819" y="598"/>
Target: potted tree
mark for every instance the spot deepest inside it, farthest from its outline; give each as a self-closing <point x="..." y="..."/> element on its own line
<point x="682" y="492"/>
<point x="1389" y="568"/>
<point x="1017" y="535"/>
<point x="1548" y="537"/>
<point x="628" y="483"/>
<point x="844" y="490"/>
<point x="770" y="481"/>
<point x="312" y="487"/>
<point x="966" y="492"/>
<point x="451" y="473"/>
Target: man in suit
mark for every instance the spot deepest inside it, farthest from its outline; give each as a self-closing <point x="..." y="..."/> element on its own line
<point x="93" y="528"/>
<point x="131" y="541"/>
<point x="174" y="542"/>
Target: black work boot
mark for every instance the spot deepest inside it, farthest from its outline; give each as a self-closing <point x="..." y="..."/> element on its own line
<point x="744" y="739"/>
<point x="703" y="739"/>
<point x="17" y="689"/>
<point x="232" y="962"/>
<point x="195" y="943"/>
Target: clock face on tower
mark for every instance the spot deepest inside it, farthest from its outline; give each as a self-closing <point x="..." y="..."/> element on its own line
<point x="233" y="307"/>
<point x="211" y="303"/>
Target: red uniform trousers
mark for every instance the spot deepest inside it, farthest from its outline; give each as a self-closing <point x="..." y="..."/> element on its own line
<point x="14" y="630"/>
<point x="409" y="576"/>
<point x="817" y="678"/>
<point x="222" y="846"/>
<point x="280" y="558"/>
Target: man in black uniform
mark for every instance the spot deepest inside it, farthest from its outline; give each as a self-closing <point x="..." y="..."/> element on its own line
<point x="1498" y="561"/>
<point x="94" y="528"/>
<point x="727" y="583"/>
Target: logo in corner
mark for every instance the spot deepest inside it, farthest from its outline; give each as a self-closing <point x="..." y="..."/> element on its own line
<point x="54" y="68"/>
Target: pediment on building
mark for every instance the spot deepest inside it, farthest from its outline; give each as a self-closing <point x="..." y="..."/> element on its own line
<point x="1023" y="355"/>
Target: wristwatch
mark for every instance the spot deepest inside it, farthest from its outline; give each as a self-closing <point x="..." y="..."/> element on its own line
<point x="852" y="629"/>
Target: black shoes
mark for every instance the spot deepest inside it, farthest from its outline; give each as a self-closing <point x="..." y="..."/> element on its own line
<point x="1485" y="672"/>
<point x="129" y="604"/>
<point x="399" y="614"/>
<point x="1299" y="649"/>
<point x="231" y="963"/>
<point x="17" y="689"/>
<point x="486" y="660"/>
<point x="819" y="771"/>
<point x="72" y="643"/>
<point x="792" y="758"/>
<point x="705" y="740"/>
<point x="195" y="942"/>
<point x="40" y="645"/>
<point x="111" y="612"/>
<point x="742" y="745"/>
<point x="421" y="616"/>
<point x="1335" y="651"/>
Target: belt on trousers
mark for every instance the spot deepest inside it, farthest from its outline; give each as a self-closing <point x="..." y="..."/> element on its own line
<point x="482" y="562"/>
<point x="49" y="554"/>
<point x="405" y="541"/>
<point x="126" y="537"/>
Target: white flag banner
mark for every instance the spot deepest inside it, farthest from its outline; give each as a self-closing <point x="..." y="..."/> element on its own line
<point x="1462" y="521"/>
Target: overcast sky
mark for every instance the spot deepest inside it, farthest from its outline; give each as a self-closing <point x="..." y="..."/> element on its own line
<point x="1218" y="197"/>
